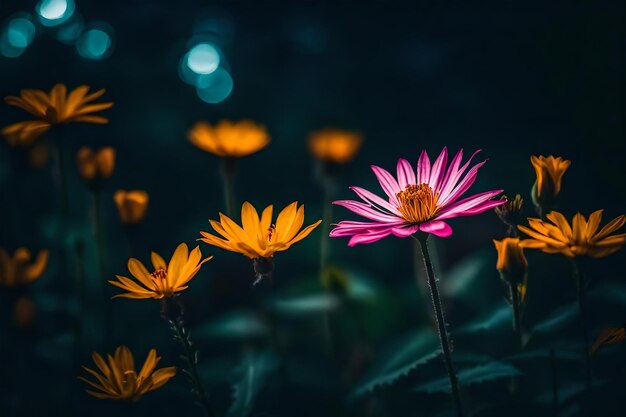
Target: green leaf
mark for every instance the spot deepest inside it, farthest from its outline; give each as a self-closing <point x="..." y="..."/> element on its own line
<point x="469" y="376"/>
<point x="252" y="373"/>
<point x="235" y="325"/>
<point x="399" y="360"/>
<point x="557" y="320"/>
<point x="315" y="303"/>
<point x="474" y="280"/>
<point x="499" y="318"/>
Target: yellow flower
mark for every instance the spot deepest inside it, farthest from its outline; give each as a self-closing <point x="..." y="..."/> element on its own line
<point x="259" y="237"/>
<point x="549" y="172"/>
<point x="95" y="164"/>
<point x="166" y="279"/>
<point x="582" y="238"/>
<point x="335" y="145"/>
<point x="19" y="270"/>
<point x="118" y="379"/>
<point x="511" y="263"/>
<point x="131" y="205"/>
<point x="56" y="107"/>
<point x="229" y="139"/>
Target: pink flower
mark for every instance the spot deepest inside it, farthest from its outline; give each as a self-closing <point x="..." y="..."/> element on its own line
<point x="416" y="201"/>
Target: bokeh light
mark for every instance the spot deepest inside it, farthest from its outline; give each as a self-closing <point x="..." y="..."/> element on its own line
<point x="95" y="43"/>
<point x="69" y="32"/>
<point x="215" y="87"/>
<point x="203" y="58"/>
<point x="55" y="12"/>
<point x="20" y="32"/>
<point x="8" y="50"/>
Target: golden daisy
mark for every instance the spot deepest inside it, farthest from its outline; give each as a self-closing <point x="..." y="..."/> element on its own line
<point x="118" y="378"/>
<point x="582" y="238"/>
<point x="131" y="205"/>
<point x="549" y="172"/>
<point x="54" y="108"/>
<point x="335" y="145"/>
<point x="21" y="269"/>
<point x="166" y="279"/>
<point x="229" y="139"/>
<point x="259" y="237"/>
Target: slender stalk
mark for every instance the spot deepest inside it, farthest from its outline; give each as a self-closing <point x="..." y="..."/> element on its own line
<point x="555" y="382"/>
<point x="228" y="174"/>
<point x="171" y="311"/>
<point x="441" y="324"/>
<point x="99" y="237"/>
<point x="324" y="241"/>
<point x="62" y="180"/>
<point x="517" y="316"/>
<point x="581" y="291"/>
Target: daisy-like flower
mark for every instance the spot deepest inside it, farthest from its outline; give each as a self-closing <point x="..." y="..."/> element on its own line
<point x="581" y="238"/>
<point x="54" y="108"/>
<point x="335" y="145"/>
<point x="416" y="200"/>
<point x="118" y="378"/>
<point x="21" y="269"/>
<point x="166" y="279"/>
<point x="229" y="139"/>
<point x="257" y="237"/>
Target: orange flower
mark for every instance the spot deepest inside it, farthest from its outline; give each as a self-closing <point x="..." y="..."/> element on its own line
<point x="131" y="205"/>
<point x="19" y="270"/>
<point x="512" y="263"/>
<point x="229" y="139"/>
<point x="335" y="145"/>
<point x="56" y="107"/>
<point x="95" y="164"/>
<point x="166" y="280"/>
<point x="549" y="172"/>
<point x="118" y="378"/>
<point x="581" y="239"/>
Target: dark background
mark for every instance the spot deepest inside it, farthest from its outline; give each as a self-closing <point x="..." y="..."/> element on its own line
<point x="511" y="78"/>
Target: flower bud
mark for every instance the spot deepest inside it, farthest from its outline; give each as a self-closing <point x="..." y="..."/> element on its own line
<point x="131" y="205"/>
<point x="547" y="187"/>
<point x="511" y="212"/>
<point x="95" y="165"/>
<point x="511" y="263"/>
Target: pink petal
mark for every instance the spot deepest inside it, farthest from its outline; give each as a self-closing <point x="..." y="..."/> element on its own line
<point x="349" y="228"/>
<point x="456" y="209"/>
<point x="462" y="186"/>
<point x="479" y="208"/>
<point x="374" y="200"/>
<point x="423" y="168"/>
<point x="405" y="231"/>
<point x="406" y="176"/>
<point x="454" y="174"/>
<point x="368" y="238"/>
<point x="387" y="182"/>
<point x="437" y="228"/>
<point x="439" y="169"/>
<point x="366" y="211"/>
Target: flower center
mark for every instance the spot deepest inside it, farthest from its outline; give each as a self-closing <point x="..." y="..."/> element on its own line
<point x="160" y="278"/>
<point x="417" y="203"/>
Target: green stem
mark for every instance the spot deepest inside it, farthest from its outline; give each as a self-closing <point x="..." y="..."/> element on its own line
<point x="62" y="178"/>
<point x="555" y="382"/>
<point x="517" y="317"/>
<point x="99" y="237"/>
<point x="441" y="324"/>
<point x="581" y="291"/>
<point x="228" y="174"/>
<point x="190" y="356"/>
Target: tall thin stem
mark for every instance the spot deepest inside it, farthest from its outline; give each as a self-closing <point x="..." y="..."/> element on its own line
<point x="517" y="316"/>
<point x="228" y="174"/>
<point x="441" y="324"/>
<point x="99" y="237"/>
<point x="171" y="311"/>
<point x="581" y="291"/>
